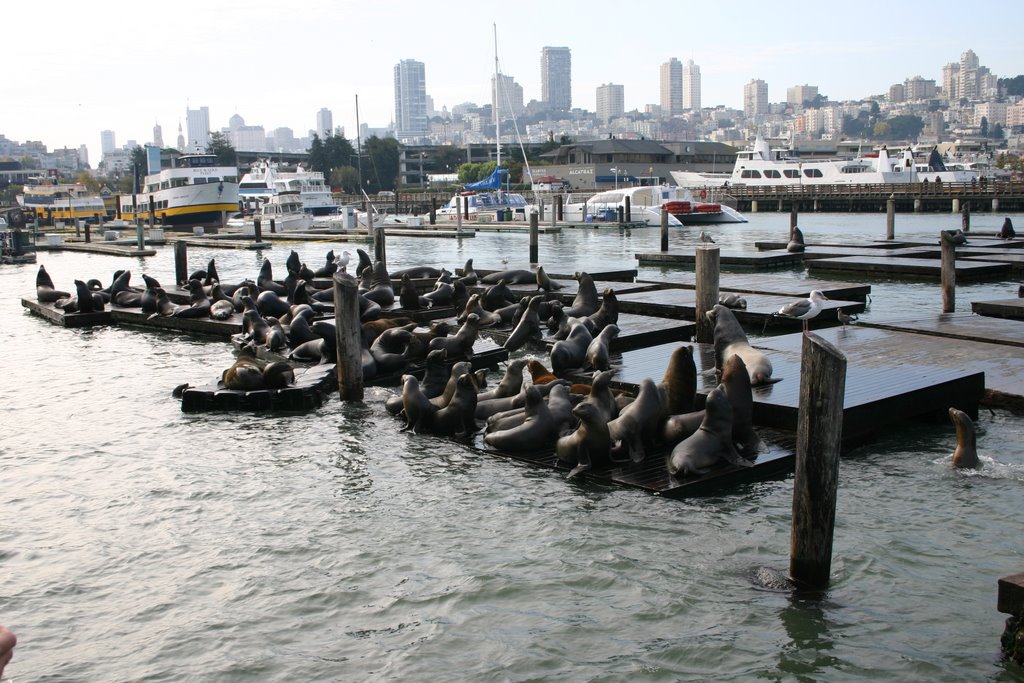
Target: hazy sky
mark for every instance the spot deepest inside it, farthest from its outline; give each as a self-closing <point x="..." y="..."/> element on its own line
<point x="77" y="68"/>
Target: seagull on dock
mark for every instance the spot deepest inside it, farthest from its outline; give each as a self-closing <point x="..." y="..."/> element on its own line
<point x="706" y="238"/>
<point x="844" y="318"/>
<point x="804" y="309"/>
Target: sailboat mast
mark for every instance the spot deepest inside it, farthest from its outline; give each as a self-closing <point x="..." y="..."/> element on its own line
<point x="359" y="149"/>
<point x="497" y="98"/>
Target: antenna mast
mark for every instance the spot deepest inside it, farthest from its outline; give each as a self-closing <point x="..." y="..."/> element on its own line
<point x="497" y="98"/>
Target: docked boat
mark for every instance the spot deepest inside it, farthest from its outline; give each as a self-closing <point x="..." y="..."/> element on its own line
<point x="47" y="200"/>
<point x="285" y="210"/>
<point x="193" y="192"/>
<point x="265" y="179"/>
<point x="646" y="204"/>
<point x="763" y="166"/>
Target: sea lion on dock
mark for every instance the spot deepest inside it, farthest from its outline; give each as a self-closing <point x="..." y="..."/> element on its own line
<point x="511" y="383"/>
<point x="390" y="349"/>
<point x="458" y="417"/>
<point x="409" y="297"/>
<point x="966" y="454"/>
<point x="277" y="338"/>
<point x="608" y="313"/>
<point x="731" y="300"/>
<point x="380" y="290"/>
<point x="245" y="374"/>
<point x="121" y="294"/>
<point x="511" y="277"/>
<point x="527" y="329"/>
<point x="86" y="301"/>
<point x="731" y="339"/>
<point x="278" y="375"/>
<point x="271" y="303"/>
<point x="163" y="305"/>
<point x="460" y="345"/>
<point x="1007" y="232"/>
<point x="796" y="243"/>
<point x="461" y="368"/>
<point x="545" y="283"/>
<point x="601" y="395"/>
<point x="418" y="272"/>
<point x="199" y="303"/>
<point x="571" y="352"/>
<point x="589" y="447"/>
<point x="442" y="294"/>
<point x="679" y="383"/>
<point x="485" y="318"/>
<point x="329" y="268"/>
<point x="221" y="309"/>
<point x="497" y="296"/>
<point x="710" y="444"/>
<point x="469" y="277"/>
<point x="599" y="350"/>
<point x="587" y="300"/>
<point x="415" y="406"/>
<point x="45" y="292"/>
<point x="736" y="382"/>
<point x="538" y="373"/>
<point x="265" y="280"/>
<point x="299" y="331"/>
<point x="954" y="237"/>
<point x="637" y="424"/>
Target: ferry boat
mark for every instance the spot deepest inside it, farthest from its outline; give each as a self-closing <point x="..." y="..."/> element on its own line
<point x="194" y="192"/>
<point x="264" y="180"/>
<point x="763" y="166"/>
<point x="60" y="201"/>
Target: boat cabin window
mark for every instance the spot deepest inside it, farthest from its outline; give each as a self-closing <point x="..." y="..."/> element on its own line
<point x="772" y="173"/>
<point x="855" y="169"/>
<point x="812" y="173"/>
<point x="791" y="173"/>
<point x="750" y="174"/>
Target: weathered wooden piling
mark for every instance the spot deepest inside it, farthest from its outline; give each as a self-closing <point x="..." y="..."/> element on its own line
<point x="664" y="230"/>
<point x="890" y="217"/>
<point x="152" y="214"/>
<point x="140" y="236"/>
<point x="628" y="211"/>
<point x="559" y="207"/>
<point x="995" y="205"/>
<point x="433" y="210"/>
<point x="792" y="218"/>
<point x="707" y="277"/>
<point x="816" y="473"/>
<point x="180" y="262"/>
<point x="348" y="338"/>
<point x="554" y="215"/>
<point x="380" y="252"/>
<point x="88" y="237"/>
<point x="458" y="214"/>
<point x="465" y="207"/>
<point x="947" y="275"/>
<point x="273" y="226"/>
<point x="534" y="251"/>
<point x="540" y="209"/>
<point x="620" y="214"/>
<point x="257" y="226"/>
<point x="965" y="217"/>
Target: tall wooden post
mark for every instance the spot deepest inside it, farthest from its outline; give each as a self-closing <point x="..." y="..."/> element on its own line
<point x="890" y="217"/>
<point x="348" y="338"/>
<point x="465" y="207"/>
<point x="621" y="213"/>
<point x="554" y="214"/>
<point x="135" y="209"/>
<point x="273" y="226"/>
<point x="534" y="255"/>
<point x="965" y="217"/>
<point x="458" y="214"/>
<point x="792" y="218"/>
<point x="559" y="206"/>
<point x="152" y="212"/>
<point x="707" y="266"/>
<point x="540" y="209"/>
<point x="948" y="276"/>
<point x="664" y="229"/>
<point x="628" y="212"/>
<point x="379" y="245"/>
<point x="180" y="262"/>
<point x="88" y="237"/>
<point x="433" y="210"/>
<point x="257" y="228"/>
<point x="816" y="475"/>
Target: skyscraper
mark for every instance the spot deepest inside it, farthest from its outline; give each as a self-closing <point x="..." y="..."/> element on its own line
<point x="691" y="86"/>
<point x="324" y="122"/>
<point x="755" y="98"/>
<point x="672" y="87"/>
<point x="107" y="143"/>
<point x="197" y="121"/>
<point x="611" y="101"/>
<point x="506" y="97"/>
<point x="556" y="77"/>
<point x="410" y="99"/>
<point x="158" y="136"/>
<point x="798" y="94"/>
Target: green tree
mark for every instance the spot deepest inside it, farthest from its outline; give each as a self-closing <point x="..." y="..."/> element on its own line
<point x="1012" y="86"/>
<point x="984" y="126"/>
<point x="382" y="155"/>
<point x="997" y="131"/>
<point x="91" y="182"/>
<point x="345" y="178"/>
<point x="220" y="146"/>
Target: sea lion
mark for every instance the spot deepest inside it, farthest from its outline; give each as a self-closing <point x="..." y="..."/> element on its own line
<point x="277" y="338"/>
<point x="1007" y="232"/>
<point x="278" y="375"/>
<point x="222" y="309"/>
<point x="587" y="300"/>
<point x="679" y="383"/>
<point x="510" y="383"/>
<point x="254" y="326"/>
<point x="796" y="241"/>
<point x="457" y="370"/>
<point x="954" y="237"/>
<point x="528" y="327"/>
<point x="497" y="296"/>
<point x="363" y="261"/>
<point x="572" y="351"/>
<point x="966" y="454"/>
<point x="458" y="417"/>
<point x="637" y="424"/>
<point x="148" y="301"/>
<point x="329" y="268"/>
<point x="245" y="374"/>
<point x="538" y="373"/>
<point x="608" y="313"/>
<point x="710" y="444"/>
<point x="599" y="349"/>
<point x="589" y="447"/>
<point x="321" y="350"/>
<point x="293" y="263"/>
<point x="511" y="277"/>
<point x="485" y="318"/>
<point x="418" y="272"/>
<point x="121" y="294"/>
<point x="545" y="283"/>
<point x="409" y="297"/>
<point x="419" y="346"/>
<point x="530" y="433"/>
<point x="460" y="345"/>
<point x="568" y="321"/>
<point x="736" y="382"/>
<point x="442" y="294"/>
<point x="556" y="316"/>
<point x="416" y="406"/>
<point x="199" y="303"/>
<point x="730" y="338"/>
<point x="380" y="290"/>
<point x="299" y="331"/>
<point x="601" y="395"/>
<point x="731" y="300"/>
<point x="469" y="277"/>
<point x="265" y="280"/>
<point x="87" y="301"/>
<point x="391" y="349"/>
<point x="45" y="292"/>
<point x="163" y="305"/>
<point x="270" y="303"/>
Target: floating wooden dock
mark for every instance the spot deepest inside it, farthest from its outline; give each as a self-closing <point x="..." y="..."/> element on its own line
<point x="313" y="385"/>
<point x="755" y="284"/>
<point x="968" y="326"/>
<point x="1001" y="308"/>
<point x="567" y="279"/>
<point x="134" y="316"/>
<point x="635" y="331"/>
<point x="735" y="259"/>
<point x="909" y="267"/>
<point x="98" y="248"/>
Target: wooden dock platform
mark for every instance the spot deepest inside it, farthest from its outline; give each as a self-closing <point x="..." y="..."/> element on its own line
<point x="635" y="331"/>
<point x="909" y="267"/>
<point x="754" y="284"/>
<point x="99" y="248"/>
<point x="682" y="303"/>
<point x="567" y="279"/>
<point x="1001" y="308"/>
<point x="735" y="259"/>
<point x="968" y="326"/>
<point x="313" y="385"/>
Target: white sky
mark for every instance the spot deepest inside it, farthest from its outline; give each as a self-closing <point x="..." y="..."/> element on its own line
<point x="77" y="68"/>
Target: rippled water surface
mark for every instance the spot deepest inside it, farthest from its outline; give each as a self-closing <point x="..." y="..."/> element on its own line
<point x="141" y="543"/>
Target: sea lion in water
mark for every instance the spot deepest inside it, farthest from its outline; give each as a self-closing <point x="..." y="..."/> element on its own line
<point x="966" y="454"/>
<point x="710" y="444"/>
<point x="45" y="292"/>
<point x="589" y="447"/>
<point x="730" y="338"/>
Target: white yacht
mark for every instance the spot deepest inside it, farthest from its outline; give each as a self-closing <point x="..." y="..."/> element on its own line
<point x="195" y="191"/>
<point x="265" y="179"/>
<point x="285" y="209"/>
<point x="646" y="204"/>
<point x="486" y="198"/>
<point x="763" y="166"/>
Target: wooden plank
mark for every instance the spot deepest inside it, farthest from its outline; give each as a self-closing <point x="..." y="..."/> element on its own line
<point x="217" y="328"/>
<point x="312" y="386"/>
<point x="796" y="289"/>
<point x="745" y="259"/>
<point x="98" y="248"/>
<point x="912" y="267"/>
<point x="1000" y="308"/>
<point x="59" y="317"/>
<point x="635" y="331"/>
<point x="567" y="279"/>
<point x="1015" y="261"/>
<point x="959" y="326"/>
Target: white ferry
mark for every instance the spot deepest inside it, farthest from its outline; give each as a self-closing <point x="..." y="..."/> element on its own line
<point x="195" y="191"/>
<point x="763" y="166"/>
<point x="60" y="201"/>
<point x="646" y="204"/>
<point x="264" y="180"/>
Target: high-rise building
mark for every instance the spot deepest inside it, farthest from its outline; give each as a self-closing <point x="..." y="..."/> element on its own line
<point x="107" y="143"/>
<point x="611" y="101"/>
<point x="897" y="93"/>
<point x="411" y="99"/>
<point x="951" y="80"/>
<point x="158" y="136"/>
<point x="918" y="88"/>
<point x="755" y="98"/>
<point x="197" y="121"/>
<point x="968" y="86"/>
<point x="672" y="87"/>
<point x="324" y="122"/>
<point x="798" y="94"/>
<point x="556" y="77"/>
<point x="506" y="97"/>
<point x="691" y="86"/>
<point x="181" y="139"/>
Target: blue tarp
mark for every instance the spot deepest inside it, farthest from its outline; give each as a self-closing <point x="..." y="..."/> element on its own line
<point x="491" y="182"/>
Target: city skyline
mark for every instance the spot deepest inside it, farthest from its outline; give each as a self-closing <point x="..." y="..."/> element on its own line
<point x="65" y="99"/>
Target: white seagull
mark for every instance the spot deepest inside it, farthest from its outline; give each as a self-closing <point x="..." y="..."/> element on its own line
<point x="804" y="309"/>
<point x="706" y="238"/>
